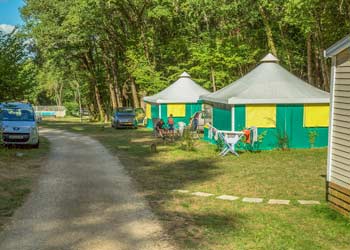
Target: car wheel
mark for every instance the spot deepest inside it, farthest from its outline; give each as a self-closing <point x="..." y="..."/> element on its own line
<point x="36" y="145"/>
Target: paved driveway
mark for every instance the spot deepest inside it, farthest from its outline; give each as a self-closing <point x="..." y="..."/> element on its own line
<point x="84" y="200"/>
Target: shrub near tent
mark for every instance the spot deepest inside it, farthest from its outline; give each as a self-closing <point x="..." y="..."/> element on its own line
<point x="181" y="99"/>
<point x="279" y="104"/>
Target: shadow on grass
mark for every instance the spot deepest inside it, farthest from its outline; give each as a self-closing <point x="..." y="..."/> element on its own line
<point x="157" y="178"/>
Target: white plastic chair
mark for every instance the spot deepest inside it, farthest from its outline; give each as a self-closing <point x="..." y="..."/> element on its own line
<point x="181" y="128"/>
<point x="230" y="139"/>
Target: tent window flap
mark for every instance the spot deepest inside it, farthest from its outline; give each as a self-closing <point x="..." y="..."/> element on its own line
<point x="316" y="115"/>
<point x="148" y="111"/>
<point x="261" y="116"/>
<point x="177" y="110"/>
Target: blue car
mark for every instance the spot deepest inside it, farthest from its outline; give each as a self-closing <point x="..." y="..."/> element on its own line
<point x="18" y="124"/>
<point x="124" y="118"/>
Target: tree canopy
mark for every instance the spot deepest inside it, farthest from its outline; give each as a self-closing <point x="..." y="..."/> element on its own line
<point x="17" y="69"/>
<point x="114" y="52"/>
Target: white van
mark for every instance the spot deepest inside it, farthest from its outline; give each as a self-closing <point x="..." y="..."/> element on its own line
<point x="18" y="125"/>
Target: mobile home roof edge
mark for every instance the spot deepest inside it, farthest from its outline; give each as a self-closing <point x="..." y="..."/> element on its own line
<point x="338" y="47"/>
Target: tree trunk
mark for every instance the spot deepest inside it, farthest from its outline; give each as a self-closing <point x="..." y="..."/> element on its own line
<point x="213" y="83"/>
<point x="309" y="58"/>
<point x="92" y="112"/>
<point x="113" y="96"/>
<point x="135" y="97"/>
<point x="92" y="106"/>
<point x="324" y="69"/>
<point x="320" y="49"/>
<point x="99" y="103"/>
<point x="317" y="69"/>
<point x="115" y="84"/>
<point x="142" y="94"/>
<point x="79" y="102"/>
<point x="268" y="30"/>
<point x="110" y="82"/>
<point x="125" y="94"/>
<point x="285" y="47"/>
<point x="60" y="94"/>
<point x="323" y="64"/>
<point x="145" y="44"/>
<point x="240" y="70"/>
<point x="90" y="66"/>
<point x="119" y="97"/>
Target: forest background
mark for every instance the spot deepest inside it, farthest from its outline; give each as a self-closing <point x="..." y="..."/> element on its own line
<point x="105" y="54"/>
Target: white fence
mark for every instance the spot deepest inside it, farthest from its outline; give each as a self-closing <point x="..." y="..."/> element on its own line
<point x="47" y="111"/>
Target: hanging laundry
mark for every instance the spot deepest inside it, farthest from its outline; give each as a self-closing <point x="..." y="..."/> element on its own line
<point x="210" y="133"/>
<point x="216" y="136"/>
<point x="247" y="135"/>
<point x="254" y="131"/>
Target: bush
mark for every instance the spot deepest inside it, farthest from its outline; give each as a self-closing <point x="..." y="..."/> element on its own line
<point x="282" y="140"/>
<point x="72" y="108"/>
<point x="312" y="134"/>
<point x="188" y="141"/>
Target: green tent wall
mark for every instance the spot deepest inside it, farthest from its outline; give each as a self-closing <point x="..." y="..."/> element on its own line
<point x="289" y="120"/>
<point x="191" y="108"/>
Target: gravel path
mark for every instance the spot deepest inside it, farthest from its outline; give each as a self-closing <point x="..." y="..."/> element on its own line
<point x="84" y="200"/>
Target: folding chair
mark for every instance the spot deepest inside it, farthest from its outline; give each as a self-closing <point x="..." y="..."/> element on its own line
<point x="180" y="128"/>
<point x="230" y="139"/>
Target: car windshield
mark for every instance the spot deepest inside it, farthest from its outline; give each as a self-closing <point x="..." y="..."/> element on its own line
<point x="139" y="111"/>
<point x="16" y="114"/>
<point x="125" y="110"/>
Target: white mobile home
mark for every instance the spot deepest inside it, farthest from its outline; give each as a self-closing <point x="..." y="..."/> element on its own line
<point x="338" y="170"/>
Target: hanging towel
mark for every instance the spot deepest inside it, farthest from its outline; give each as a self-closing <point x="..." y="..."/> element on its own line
<point x="216" y="135"/>
<point x="210" y="133"/>
<point x="254" y="130"/>
<point x="247" y="135"/>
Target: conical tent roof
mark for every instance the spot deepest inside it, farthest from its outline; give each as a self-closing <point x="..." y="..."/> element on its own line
<point x="184" y="90"/>
<point x="268" y="83"/>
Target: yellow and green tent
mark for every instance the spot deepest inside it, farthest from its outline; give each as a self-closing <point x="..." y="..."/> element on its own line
<point x="279" y="104"/>
<point x="181" y="99"/>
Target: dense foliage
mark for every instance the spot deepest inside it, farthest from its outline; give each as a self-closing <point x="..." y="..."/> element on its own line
<point x="109" y="53"/>
<point x="17" y="69"/>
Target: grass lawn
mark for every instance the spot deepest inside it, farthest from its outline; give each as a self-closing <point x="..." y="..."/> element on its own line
<point x="18" y="169"/>
<point x="208" y="223"/>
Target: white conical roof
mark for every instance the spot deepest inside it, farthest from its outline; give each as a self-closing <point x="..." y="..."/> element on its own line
<point x="185" y="74"/>
<point x="269" y="58"/>
<point x="268" y="83"/>
<point x="184" y="90"/>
